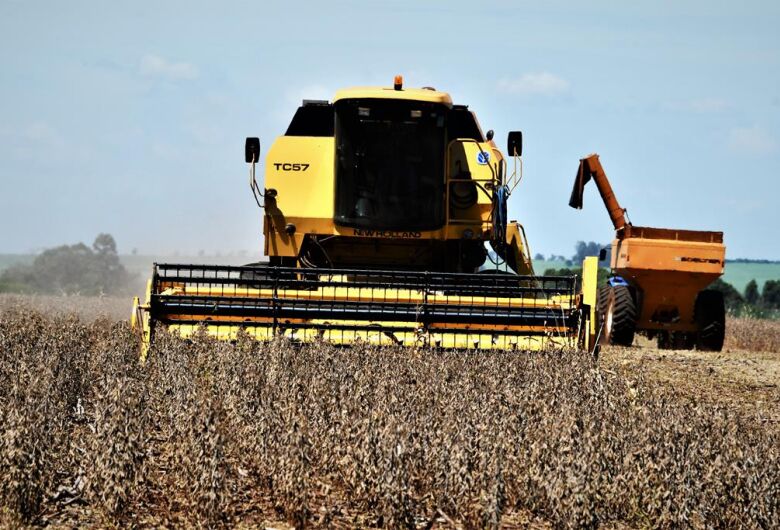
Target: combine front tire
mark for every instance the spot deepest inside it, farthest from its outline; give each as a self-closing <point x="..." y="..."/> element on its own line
<point x="619" y="316"/>
<point x="710" y="315"/>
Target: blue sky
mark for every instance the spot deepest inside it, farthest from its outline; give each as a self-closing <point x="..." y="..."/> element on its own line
<point x="129" y="118"/>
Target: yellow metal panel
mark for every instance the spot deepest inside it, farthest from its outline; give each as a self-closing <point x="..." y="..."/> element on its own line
<point x="590" y="270"/>
<point x="414" y="94"/>
<point x="134" y="315"/>
<point x="668" y="255"/>
<point x="140" y="321"/>
<point x="466" y="340"/>
<point x="301" y="170"/>
<point x="464" y="169"/>
<point x="479" y="172"/>
<point x="380" y="294"/>
<point x="515" y="238"/>
<point x="278" y="243"/>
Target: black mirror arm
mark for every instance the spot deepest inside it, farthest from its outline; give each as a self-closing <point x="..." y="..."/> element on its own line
<point x="251" y="156"/>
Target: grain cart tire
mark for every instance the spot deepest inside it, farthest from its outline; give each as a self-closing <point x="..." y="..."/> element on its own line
<point x="620" y="316"/>
<point x="676" y="340"/>
<point x="710" y="315"/>
<point x="683" y="341"/>
<point x="664" y="340"/>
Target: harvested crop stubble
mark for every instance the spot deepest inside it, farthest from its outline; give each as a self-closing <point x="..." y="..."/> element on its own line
<point x="216" y="434"/>
<point x="753" y="334"/>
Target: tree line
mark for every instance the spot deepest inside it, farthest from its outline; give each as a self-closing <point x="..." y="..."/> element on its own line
<point x="582" y="249"/>
<point x="752" y="301"/>
<point x="71" y="269"/>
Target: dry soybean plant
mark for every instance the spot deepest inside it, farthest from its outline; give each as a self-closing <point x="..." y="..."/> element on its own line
<point x="211" y="434"/>
<point x="753" y="334"/>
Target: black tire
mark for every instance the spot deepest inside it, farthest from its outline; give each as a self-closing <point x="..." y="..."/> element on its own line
<point x="664" y="340"/>
<point x="601" y="299"/>
<point x="620" y="316"/>
<point x="683" y="341"/>
<point x="251" y="274"/>
<point x="710" y="315"/>
<point x="676" y="340"/>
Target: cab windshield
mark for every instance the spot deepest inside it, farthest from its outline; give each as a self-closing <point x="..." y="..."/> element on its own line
<point x="390" y="164"/>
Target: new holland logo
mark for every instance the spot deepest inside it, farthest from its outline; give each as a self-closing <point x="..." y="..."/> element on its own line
<point x="386" y="234"/>
<point x="483" y="157"/>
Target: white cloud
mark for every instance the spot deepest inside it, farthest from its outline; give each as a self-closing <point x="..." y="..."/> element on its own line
<point x="41" y="131"/>
<point x="751" y="140"/>
<point x="40" y="140"/>
<point x="532" y="84"/>
<point x="207" y="132"/>
<point x="166" y="151"/>
<point x="705" y="105"/>
<point x="156" y="66"/>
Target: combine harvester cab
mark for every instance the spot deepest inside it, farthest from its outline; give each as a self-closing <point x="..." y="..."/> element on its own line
<point x="379" y="209"/>
<point x="659" y="278"/>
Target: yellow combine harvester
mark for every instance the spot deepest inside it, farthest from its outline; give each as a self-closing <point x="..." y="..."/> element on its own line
<point x="380" y="207"/>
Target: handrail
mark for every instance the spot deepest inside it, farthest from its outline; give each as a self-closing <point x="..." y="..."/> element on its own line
<point x="513" y="180"/>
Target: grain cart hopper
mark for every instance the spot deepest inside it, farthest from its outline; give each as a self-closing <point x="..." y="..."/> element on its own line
<point x="659" y="278"/>
<point x="381" y="210"/>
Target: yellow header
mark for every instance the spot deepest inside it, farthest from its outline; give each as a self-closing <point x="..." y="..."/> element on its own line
<point x="414" y="94"/>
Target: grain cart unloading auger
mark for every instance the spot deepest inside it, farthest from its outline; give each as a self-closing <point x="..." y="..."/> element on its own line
<point x="378" y="208"/>
<point x="659" y="278"/>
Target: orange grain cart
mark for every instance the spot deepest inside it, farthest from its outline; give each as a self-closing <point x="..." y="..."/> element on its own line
<point x="658" y="278"/>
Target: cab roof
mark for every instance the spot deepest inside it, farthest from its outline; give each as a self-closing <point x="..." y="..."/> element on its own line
<point x="413" y="94"/>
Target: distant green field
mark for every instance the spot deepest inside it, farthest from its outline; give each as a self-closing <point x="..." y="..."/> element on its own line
<point x="737" y="274"/>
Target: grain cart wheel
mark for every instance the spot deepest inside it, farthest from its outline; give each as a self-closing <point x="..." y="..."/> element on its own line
<point x="620" y="316"/>
<point x="683" y="341"/>
<point x="710" y="315"/>
<point x="676" y="340"/>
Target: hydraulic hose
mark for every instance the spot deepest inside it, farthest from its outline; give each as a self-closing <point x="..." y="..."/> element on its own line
<point x="500" y="198"/>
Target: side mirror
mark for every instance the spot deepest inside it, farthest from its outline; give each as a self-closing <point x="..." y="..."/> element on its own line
<point x="514" y="143"/>
<point x="602" y="254"/>
<point x="489" y="135"/>
<point x="252" y="150"/>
